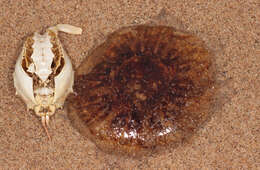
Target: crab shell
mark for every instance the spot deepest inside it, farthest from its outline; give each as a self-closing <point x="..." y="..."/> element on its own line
<point x="43" y="75"/>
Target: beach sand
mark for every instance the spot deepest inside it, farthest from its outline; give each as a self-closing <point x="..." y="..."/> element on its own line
<point x="230" y="30"/>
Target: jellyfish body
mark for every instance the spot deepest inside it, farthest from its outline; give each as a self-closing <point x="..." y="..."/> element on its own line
<point x="145" y="87"/>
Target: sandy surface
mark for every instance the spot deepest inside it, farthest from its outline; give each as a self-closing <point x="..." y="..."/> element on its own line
<point x="231" y="30"/>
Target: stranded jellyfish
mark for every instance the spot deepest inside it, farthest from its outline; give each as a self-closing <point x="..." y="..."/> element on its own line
<point x="144" y="88"/>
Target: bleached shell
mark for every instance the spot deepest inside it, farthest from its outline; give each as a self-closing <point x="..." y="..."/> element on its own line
<point x="64" y="82"/>
<point x="42" y="86"/>
<point x="23" y="84"/>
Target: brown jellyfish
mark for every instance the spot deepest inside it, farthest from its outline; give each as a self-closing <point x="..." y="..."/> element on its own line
<point x="144" y="88"/>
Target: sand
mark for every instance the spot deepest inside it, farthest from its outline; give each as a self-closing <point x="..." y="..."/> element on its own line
<point x="230" y="29"/>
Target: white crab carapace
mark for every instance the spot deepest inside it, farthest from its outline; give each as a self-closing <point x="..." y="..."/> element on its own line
<point x="43" y="75"/>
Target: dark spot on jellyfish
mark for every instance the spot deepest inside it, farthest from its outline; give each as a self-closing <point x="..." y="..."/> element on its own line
<point x="144" y="88"/>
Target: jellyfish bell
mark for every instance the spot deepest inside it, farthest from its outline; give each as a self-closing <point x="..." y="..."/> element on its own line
<point x="144" y="88"/>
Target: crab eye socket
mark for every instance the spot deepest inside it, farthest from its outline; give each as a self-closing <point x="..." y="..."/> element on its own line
<point x="58" y="60"/>
<point x="28" y="66"/>
<point x="57" y="65"/>
<point x="31" y="68"/>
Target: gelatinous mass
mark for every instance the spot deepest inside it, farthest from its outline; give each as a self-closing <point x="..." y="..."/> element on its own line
<point x="145" y="87"/>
